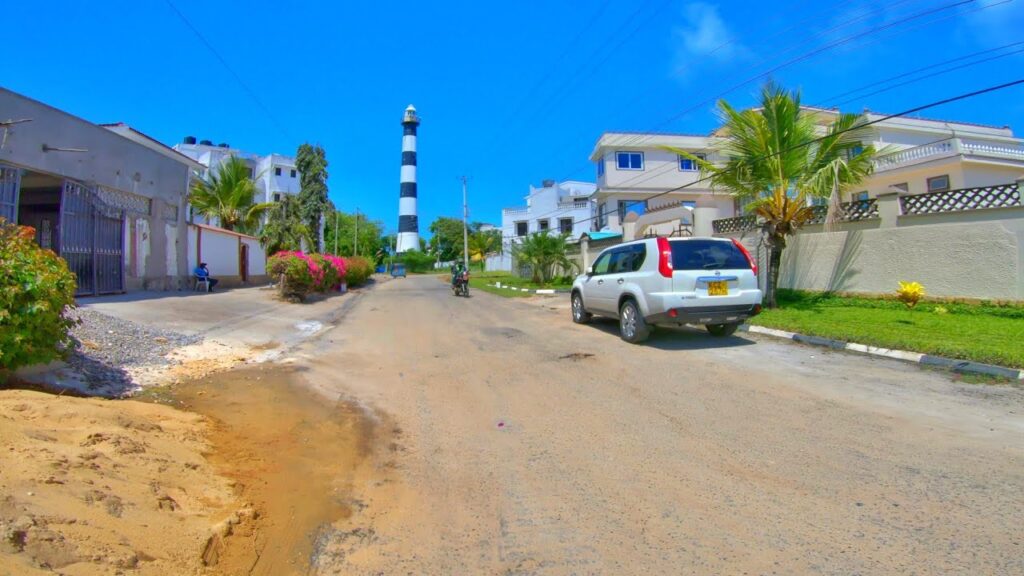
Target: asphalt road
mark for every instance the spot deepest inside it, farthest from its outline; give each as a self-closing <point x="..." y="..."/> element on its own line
<point x="520" y="443"/>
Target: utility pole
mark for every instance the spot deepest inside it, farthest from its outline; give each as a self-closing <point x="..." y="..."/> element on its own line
<point x="336" y="231"/>
<point x="465" y="225"/>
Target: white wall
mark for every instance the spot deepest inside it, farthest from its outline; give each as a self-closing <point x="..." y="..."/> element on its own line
<point x="220" y="252"/>
<point x="257" y="257"/>
<point x="970" y="254"/>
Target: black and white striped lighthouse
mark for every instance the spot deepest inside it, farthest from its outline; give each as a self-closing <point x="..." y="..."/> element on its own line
<point x="408" y="224"/>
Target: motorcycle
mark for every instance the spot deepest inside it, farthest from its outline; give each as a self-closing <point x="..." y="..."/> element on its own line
<point x="461" y="284"/>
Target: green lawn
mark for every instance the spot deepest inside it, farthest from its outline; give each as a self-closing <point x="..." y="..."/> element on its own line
<point x="988" y="333"/>
<point x="480" y="280"/>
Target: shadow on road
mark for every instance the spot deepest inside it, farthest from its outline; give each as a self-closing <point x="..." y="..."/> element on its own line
<point x="677" y="338"/>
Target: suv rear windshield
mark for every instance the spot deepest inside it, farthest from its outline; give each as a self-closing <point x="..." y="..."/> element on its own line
<point x="707" y="255"/>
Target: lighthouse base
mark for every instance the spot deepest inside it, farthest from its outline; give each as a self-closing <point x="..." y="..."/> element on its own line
<point x="407" y="241"/>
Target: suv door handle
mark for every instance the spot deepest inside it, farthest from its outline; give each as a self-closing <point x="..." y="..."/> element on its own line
<point x="621" y="280"/>
<point x="600" y="281"/>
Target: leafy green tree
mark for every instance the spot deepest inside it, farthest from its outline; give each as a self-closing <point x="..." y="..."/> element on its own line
<point x="283" y="229"/>
<point x="416" y="261"/>
<point x="483" y="244"/>
<point x="447" y="238"/>
<point x="544" y="254"/>
<point x="311" y="162"/>
<point x="342" y="225"/>
<point x="773" y="170"/>
<point x="228" y="195"/>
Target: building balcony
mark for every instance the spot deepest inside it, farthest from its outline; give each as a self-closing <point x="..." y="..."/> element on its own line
<point x="515" y="211"/>
<point x="947" y="148"/>
<point x="574" y="205"/>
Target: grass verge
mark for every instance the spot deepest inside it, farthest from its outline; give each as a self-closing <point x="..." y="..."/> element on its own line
<point x="480" y="281"/>
<point x="989" y="333"/>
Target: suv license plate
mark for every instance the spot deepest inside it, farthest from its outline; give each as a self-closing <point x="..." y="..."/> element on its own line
<point x="720" y="288"/>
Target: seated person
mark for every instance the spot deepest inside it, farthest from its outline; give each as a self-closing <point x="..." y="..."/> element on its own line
<point x="201" y="272"/>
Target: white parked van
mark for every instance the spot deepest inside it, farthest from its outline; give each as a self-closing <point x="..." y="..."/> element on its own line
<point x="709" y="281"/>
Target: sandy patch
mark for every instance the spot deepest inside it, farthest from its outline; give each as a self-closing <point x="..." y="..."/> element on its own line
<point x="90" y="486"/>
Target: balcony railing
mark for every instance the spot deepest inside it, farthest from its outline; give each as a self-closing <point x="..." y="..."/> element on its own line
<point x="515" y="211"/>
<point x="950" y="147"/>
<point x="574" y="205"/>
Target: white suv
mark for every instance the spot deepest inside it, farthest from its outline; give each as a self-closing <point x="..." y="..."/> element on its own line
<point x="709" y="281"/>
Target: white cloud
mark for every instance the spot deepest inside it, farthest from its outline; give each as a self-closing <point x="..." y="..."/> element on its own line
<point x="703" y="36"/>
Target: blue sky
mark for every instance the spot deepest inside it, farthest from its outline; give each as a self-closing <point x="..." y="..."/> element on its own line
<point x="510" y="93"/>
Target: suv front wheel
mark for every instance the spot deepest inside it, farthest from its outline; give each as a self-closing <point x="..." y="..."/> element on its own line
<point x="632" y="326"/>
<point x="722" y="329"/>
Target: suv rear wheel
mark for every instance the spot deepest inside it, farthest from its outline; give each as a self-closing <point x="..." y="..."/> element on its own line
<point x="579" y="313"/>
<point x="722" y="329"/>
<point x="632" y="326"/>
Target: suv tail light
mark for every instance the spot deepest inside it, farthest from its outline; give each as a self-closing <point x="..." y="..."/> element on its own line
<point x="665" y="258"/>
<point x="750" y="259"/>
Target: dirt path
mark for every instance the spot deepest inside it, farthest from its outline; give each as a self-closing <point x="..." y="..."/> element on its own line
<point x="535" y="446"/>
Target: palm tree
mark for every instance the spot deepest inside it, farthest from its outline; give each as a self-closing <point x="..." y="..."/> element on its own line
<point x="284" y="229"/>
<point x="482" y="245"/>
<point x="779" y="162"/>
<point x="228" y="196"/>
<point x="543" y="253"/>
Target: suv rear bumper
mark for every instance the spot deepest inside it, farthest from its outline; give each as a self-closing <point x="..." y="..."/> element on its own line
<point x="706" y="314"/>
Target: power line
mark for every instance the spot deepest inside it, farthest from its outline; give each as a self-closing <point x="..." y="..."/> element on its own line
<point x="228" y="67"/>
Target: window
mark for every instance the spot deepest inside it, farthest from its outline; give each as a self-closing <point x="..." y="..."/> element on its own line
<point x="938" y="183"/>
<point x="688" y="165"/>
<point x="601" y="265"/>
<point x="854" y="152"/>
<point x="293" y="174"/>
<point x="542" y="225"/>
<point x="627" y="259"/>
<point x="627" y="206"/>
<point x="521" y="229"/>
<point x="600" y="167"/>
<point x="629" y="160"/>
<point x="277" y="171"/>
<point x="691" y="204"/>
<point x="859" y="196"/>
<point x="565" y="225"/>
<point x="707" y="255"/>
<point x="602" y="215"/>
<point x="277" y="197"/>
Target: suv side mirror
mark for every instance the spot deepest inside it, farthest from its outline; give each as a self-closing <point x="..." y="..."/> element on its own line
<point x="590" y="270"/>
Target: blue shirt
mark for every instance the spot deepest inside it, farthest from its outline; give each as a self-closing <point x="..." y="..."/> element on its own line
<point x="201" y="272"/>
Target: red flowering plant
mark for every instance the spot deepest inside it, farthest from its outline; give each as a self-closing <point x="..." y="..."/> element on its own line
<point x="298" y="273"/>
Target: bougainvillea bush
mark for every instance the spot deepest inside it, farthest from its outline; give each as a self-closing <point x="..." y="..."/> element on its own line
<point x="357" y="270"/>
<point x="301" y="274"/>
<point x="338" y="264"/>
<point x="36" y="290"/>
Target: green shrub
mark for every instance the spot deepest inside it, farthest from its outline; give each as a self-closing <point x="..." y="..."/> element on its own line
<point x="416" y="261"/>
<point x="357" y="270"/>
<point x="329" y="274"/>
<point x="36" y="289"/>
<point x="301" y="273"/>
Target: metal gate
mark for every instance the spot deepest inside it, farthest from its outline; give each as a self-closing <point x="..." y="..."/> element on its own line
<point x="91" y="240"/>
<point x="9" y="193"/>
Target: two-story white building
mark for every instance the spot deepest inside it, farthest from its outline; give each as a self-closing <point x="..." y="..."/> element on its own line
<point x="561" y="207"/>
<point x="556" y="207"/>
<point x="633" y="167"/>
<point x="635" y="173"/>
<point x="275" y="174"/>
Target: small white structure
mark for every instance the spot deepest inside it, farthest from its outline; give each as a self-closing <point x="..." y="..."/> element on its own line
<point x="556" y="207"/>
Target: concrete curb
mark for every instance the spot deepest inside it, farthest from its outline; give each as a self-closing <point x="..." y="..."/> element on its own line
<point x="961" y="366"/>
<point x="534" y="291"/>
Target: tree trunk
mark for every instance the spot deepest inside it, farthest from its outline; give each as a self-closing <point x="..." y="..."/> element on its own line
<point x="772" y="284"/>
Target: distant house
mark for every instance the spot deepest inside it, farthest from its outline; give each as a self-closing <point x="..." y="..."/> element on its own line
<point x="555" y="207"/>
<point x="109" y="200"/>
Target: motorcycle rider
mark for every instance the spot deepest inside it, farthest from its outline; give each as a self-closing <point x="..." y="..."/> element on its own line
<point x="457" y="270"/>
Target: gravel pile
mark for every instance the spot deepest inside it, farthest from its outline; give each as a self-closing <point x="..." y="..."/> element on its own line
<point x="105" y="345"/>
